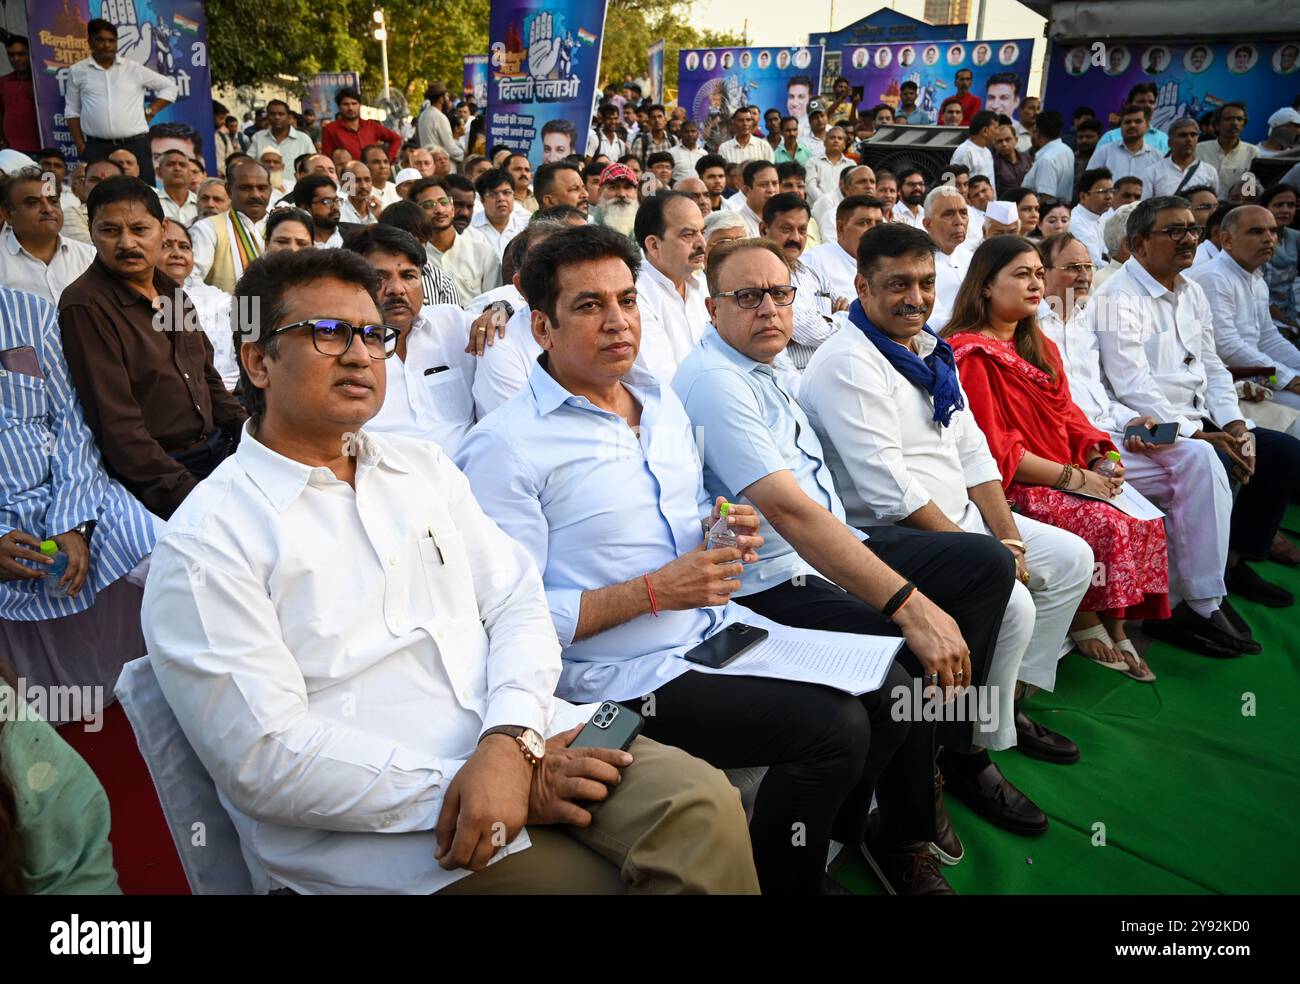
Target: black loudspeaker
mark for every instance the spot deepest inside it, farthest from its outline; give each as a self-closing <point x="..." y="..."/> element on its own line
<point x="1270" y="170"/>
<point x="897" y="147"/>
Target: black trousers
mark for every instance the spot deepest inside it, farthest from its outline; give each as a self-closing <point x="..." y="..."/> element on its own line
<point x="98" y="149"/>
<point x="202" y="461"/>
<point x="1261" y="503"/>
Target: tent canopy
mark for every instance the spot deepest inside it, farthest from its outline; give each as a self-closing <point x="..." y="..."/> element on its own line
<point x="1100" y="20"/>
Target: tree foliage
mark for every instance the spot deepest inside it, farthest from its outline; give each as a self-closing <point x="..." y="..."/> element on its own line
<point x="278" y="41"/>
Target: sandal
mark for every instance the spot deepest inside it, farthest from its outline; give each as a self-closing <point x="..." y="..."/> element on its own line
<point x="1137" y="668"/>
<point x="1098" y="633"/>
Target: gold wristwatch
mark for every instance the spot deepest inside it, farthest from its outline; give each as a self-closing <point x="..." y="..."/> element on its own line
<point x="530" y="742"/>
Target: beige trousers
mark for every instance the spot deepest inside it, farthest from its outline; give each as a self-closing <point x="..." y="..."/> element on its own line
<point x="674" y="825"/>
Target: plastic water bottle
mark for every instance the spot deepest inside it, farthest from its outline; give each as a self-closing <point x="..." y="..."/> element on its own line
<point x="56" y="570"/>
<point x="1109" y="465"/>
<point x="720" y="534"/>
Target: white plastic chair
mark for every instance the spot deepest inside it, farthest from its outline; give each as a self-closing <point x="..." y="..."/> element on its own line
<point x="215" y="865"/>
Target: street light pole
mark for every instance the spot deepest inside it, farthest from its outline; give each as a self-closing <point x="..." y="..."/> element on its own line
<point x="381" y="35"/>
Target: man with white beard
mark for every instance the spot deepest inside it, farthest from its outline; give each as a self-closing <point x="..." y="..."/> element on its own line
<point x="618" y="199"/>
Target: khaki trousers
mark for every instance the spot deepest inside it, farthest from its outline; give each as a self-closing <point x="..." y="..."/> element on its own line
<point x="674" y="825"/>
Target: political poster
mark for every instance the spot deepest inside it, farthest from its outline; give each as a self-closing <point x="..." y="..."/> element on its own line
<point x="1192" y="78"/>
<point x="656" y="76"/>
<point x="712" y="83"/>
<point x="476" y="79"/>
<point x="999" y="70"/>
<point x="322" y="86"/>
<point x="169" y="36"/>
<point x="543" y="67"/>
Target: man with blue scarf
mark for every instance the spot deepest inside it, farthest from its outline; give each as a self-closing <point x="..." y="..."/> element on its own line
<point x="884" y="398"/>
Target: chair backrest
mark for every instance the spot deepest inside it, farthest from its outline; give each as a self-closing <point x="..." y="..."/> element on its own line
<point x="205" y="837"/>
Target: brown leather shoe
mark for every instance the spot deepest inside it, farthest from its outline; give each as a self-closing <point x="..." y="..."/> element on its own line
<point x="946" y="846"/>
<point x="906" y="869"/>
<point x="1283" y="551"/>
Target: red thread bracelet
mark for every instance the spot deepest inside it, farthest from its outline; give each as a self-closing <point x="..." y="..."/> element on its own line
<point x="654" y="605"/>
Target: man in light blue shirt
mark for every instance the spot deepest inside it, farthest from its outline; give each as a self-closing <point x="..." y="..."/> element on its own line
<point x="593" y="468"/>
<point x="1144" y="94"/>
<point x="945" y="593"/>
<point x="1053" y="169"/>
<point x="1131" y="157"/>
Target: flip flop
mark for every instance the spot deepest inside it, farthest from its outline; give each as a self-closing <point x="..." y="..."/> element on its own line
<point x="1099" y="633"/>
<point x="1137" y="669"/>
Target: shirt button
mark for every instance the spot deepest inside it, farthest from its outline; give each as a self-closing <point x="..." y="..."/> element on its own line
<point x="392" y="560"/>
<point x="187" y="375"/>
<point x="390" y="819"/>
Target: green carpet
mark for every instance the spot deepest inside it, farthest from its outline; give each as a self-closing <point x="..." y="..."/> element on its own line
<point x="1195" y="796"/>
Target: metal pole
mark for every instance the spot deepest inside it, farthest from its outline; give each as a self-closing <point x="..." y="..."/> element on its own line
<point x="830" y="26"/>
<point x="979" y="21"/>
<point x="383" y="54"/>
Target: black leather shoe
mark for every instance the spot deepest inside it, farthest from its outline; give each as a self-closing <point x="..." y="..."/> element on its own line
<point x="946" y="846"/>
<point x="1243" y="580"/>
<point x="1235" y="619"/>
<point x="1215" y="636"/>
<point x="1042" y="743"/>
<point x="992" y="796"/>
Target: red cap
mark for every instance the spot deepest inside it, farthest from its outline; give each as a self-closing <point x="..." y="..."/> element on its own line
<point x="617" y="172"/>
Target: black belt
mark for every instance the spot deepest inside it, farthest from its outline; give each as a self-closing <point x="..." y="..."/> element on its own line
<point x="118" y="141"/>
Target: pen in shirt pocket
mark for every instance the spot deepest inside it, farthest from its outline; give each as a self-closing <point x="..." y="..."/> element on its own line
<point x="435" y="369"/>
<point x="441" y="559"/>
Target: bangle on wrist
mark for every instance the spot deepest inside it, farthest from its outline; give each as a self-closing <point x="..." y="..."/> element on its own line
<point x="1016" y="545"/>
<point x="901" y="597"/>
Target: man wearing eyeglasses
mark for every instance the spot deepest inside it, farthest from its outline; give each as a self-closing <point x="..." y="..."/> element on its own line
<point x="467" y="257"/>
<point x="319" y="195"/>
<point x="365" y="663"/>
<point x="1096" y="191"/>
<point x="1156" y="335"/>
<point x="500" y="221"/>
<point x="943" y="593"/>
<point x="141" y="364"/>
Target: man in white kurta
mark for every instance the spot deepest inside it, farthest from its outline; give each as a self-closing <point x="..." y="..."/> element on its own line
<point x="670" y="287"/>
<point x="893" y="462"/>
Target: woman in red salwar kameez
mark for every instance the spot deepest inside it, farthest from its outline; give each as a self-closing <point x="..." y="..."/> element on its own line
<point x="1046" y="449"/>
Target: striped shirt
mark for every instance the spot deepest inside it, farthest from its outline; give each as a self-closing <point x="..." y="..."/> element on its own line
<point x="439" y="288"/>
<point x="51" y="476"/>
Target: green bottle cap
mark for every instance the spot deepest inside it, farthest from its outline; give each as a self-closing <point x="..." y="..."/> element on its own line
<point x="1113" y="455"/>
<point x="49" y="548"/>
<point x="1272" y="380"/>
<point x="724" y="509"/>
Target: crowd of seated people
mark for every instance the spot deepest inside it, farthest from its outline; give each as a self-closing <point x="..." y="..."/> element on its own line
<point x="398" y="463"/>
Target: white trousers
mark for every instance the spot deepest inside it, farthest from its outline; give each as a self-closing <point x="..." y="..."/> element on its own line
<point x="1037" y="619"/>
<point x="1187" y="482"/>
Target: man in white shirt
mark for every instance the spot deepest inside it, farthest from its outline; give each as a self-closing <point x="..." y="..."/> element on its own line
<point x="392" y="742"/>
<point x="975" y="150"/>
<point x="1115" y="239"/>
<point x="836" y="262"/>
<point x="1156" y="336"/>
<point x="857" y="179"/>
<point x="884" y="398"/>
<point x="824" y="171"/>
<point x="319" y="195"/>
<point x="759" y="182"/>
<point x="104" y="100"/>
<point x="744" y="147"/>
<point x="1184" y="479"/>
<point x="430" y="376"/>
<point x="433" y="129"/>
<point x="1182" y="171"/>
<point x="1052" y="172"/>
<point x="34" y="255"/>
<point x="1087" y="219"/>
<point x="946" y="221"/>
<point x="1244" y="331"/>
<point x="281" y="135"/>
<point x="178" y="201"/>
<point x="1228" y="153"/>
<point x="785" y="222"/>
<point x="606" y="139"/>
<point x="670" y="287"/>
<point x="499" y="222"/>
<point x="910" y="207"/>
<point x="1132" y="156"/>
<point x="687" y="151"/>
<point x="375" y="157"/>
<point x="468" y="258"/>
<point x="358" y="204"/>
<point x="76" y="221"/>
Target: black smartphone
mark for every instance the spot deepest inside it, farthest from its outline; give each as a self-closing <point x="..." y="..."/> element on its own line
<point x="1159" y="434"/>
<point x="722" y="647"/>
<point x="612" y="726"/>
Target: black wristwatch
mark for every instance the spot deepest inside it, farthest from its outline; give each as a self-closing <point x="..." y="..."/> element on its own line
<point x="86" y="529"/>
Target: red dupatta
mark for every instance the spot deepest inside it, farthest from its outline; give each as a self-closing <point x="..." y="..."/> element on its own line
<point x="1019" y="407"/>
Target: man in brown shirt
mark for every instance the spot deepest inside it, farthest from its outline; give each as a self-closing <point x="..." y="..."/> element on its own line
<point x="139" y="359"/>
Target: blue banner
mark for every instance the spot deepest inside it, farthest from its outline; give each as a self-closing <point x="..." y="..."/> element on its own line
<point x="1192" y="77"/>
<point x="476" y="79"/>
<point x="656" y="53"/>
<point x="544" y="62"/>
<point x="999" y="70"/>
<point x="712" y="83"/>
<point x="169" y="36"/>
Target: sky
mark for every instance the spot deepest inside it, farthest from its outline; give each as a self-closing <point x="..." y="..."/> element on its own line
<point x="769" y="20"/>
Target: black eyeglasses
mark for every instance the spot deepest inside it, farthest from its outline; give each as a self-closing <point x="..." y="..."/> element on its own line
<point x="333" y="337"/>
<point x="1180" y="232"/>
<point x="749" y="298"/>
